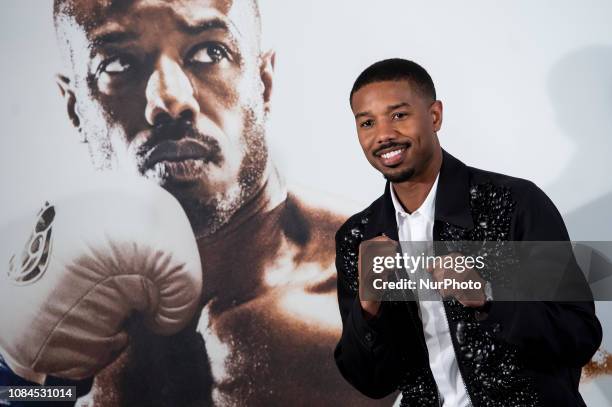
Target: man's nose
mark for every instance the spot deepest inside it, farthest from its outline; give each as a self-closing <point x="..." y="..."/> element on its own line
<point x="385" y="132"/>
<point x="169" y="93"/>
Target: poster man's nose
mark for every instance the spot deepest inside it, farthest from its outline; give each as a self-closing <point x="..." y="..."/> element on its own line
<point x="169" y="93"/>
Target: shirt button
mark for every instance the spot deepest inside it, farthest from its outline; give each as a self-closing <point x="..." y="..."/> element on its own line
<point x="368" y="337"/>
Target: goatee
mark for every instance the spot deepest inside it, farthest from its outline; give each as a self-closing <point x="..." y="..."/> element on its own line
<point x="402" y="176"/>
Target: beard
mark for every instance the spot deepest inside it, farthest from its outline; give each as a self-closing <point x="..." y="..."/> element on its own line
<point x="402" y="176"/>
<point x="207" y="211"/>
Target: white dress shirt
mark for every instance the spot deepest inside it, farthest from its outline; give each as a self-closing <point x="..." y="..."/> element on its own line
<point x="418" y="227"/>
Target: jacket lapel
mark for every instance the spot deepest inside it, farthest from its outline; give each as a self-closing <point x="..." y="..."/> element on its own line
<point x="382" y="217"/>
<point x="452" y="202"/>
<point x="453" y="193"/>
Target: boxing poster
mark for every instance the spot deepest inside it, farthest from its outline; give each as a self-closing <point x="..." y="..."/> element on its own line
<point x="206" y="151"/>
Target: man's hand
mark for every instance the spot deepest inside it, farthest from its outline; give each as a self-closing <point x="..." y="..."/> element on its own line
<point x="370" y="307"/>
<point x="90" y="262"/>
<point x="468" y="297"/>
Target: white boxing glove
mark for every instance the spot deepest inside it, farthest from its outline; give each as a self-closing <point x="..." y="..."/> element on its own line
<point x="89" y="262"/>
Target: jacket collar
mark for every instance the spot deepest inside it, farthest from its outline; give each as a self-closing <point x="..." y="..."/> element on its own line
<point x="453" y="194"/>
<point x="452" y="201"/>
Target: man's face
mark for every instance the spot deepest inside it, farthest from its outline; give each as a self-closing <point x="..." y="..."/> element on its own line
<point x="176" y="91"/>
<point x="396" y="126"/>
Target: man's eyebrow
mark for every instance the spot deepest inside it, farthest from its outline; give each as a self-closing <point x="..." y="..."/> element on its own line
<point x="362" y="114"/>
<point x="389" y="109"/>
<point x="113" y="37"/>
<point x="198" y="27"/>
<point x="397" y="106"/>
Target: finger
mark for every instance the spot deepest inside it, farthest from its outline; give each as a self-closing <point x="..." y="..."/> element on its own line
<point x="445" y="293"/>
<point x="438" y="274"/>
<point x="472" y="303"/>
<point x="382" y="238"/>
<point x="470" y="298"/>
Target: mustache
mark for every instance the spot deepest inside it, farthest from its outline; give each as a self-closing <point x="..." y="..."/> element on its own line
<point x="390" y="145"/>
<point x="177" y="140"/>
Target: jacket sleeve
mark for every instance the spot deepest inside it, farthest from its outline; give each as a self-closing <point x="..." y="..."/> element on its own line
<point x="369" y="353"/>
<point x="547" y="333"/>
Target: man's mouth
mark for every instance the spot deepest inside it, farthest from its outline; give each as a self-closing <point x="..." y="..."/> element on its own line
<point x="181" y="161"/>
<point x="176" y="151"/>
<point x="392" y="156"/>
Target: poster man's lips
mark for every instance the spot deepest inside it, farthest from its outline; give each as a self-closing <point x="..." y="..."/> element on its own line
<point x="176" y="151"/>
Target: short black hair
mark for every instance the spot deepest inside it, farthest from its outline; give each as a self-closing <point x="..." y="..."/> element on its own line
<point x="67" y="7"/>
<point x="396" y="69"/>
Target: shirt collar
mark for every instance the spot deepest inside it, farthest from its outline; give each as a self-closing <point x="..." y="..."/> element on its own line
<point x="452" y="201"/>
<point x="427" y="208"/>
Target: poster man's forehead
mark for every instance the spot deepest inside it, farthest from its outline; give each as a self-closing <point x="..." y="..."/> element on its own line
<point x="94" y="15"/>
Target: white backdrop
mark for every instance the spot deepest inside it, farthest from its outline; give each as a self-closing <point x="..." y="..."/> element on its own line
<point x="526" y="86"/>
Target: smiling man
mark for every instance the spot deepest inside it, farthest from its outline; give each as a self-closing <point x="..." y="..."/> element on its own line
<point x="178" y="92"/>
<point x="454" y="350"/>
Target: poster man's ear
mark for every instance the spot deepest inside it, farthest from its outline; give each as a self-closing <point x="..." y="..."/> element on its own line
<point x="267" y="76"/>
<point x="69" y="98"/>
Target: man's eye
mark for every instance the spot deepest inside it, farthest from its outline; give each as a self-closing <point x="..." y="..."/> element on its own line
<point x="366" y="124"/>
<point x="399" y="115"/>
<point x="115" y="66"/>
<point x="210" y="54"/>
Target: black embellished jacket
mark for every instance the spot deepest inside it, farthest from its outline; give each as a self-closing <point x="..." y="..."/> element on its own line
<point x="521" y="354"/>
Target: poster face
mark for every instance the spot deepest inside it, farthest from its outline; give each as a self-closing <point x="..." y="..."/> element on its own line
<point x="240" y="112"/>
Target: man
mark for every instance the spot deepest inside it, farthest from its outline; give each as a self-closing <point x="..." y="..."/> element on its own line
<point x="178" y="92"/>
<point x="464" y="350"/>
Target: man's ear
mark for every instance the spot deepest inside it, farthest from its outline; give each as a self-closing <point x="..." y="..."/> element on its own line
<point x="69" y="98"/>
<point x="436" y="115"/>
<point x="267" y="76"/>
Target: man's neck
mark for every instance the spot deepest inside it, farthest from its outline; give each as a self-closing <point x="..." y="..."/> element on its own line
<point x="240" y="250"/>
<point x="412" y="193"/>
<point x="272" y="193"/>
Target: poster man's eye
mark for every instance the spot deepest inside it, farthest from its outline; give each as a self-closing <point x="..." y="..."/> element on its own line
<point x="115" y="66"/>
<point x="210" y="54"/>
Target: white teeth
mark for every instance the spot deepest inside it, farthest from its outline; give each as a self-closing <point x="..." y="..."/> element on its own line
<point x="392" y="153"/>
